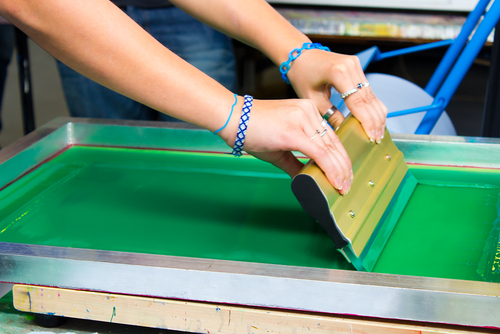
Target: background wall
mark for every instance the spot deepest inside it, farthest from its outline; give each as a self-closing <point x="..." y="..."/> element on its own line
<point x="48" y="98"/>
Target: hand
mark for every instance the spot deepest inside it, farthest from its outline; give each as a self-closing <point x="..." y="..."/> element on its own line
<point x="316" y="71"/>
<point x="278" y="127"/>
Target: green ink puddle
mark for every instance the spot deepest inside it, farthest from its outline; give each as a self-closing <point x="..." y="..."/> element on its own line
<point x="216" y="206"/>
<point x="445" y="227"/>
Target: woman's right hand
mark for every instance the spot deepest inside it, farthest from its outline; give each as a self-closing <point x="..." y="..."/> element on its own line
<point x="278" y="127"/>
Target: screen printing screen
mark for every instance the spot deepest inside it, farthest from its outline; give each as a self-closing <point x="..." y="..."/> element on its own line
<point x="211" y="205"/>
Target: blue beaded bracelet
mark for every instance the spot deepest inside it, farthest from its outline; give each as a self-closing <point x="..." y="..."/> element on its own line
<point x="242" y="128"/>
<point x="294" y="54"/>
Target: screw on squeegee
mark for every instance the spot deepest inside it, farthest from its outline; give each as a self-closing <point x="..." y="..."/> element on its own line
<point x="352" y="214"/>
<point x="388" y="157"/>
<point x="371" y="184"/>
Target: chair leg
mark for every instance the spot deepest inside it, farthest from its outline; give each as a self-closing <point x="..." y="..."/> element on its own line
<point x="491" y="116"/>
<point x="25" y="87"/>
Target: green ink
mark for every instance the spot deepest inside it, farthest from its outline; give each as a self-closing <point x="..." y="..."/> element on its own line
<point x="113" y="314"/>
<point x="444" y="228"/>
<point x="150" y="201"/>
<point x="215" y="206"/>
<point x="489" y="264"/>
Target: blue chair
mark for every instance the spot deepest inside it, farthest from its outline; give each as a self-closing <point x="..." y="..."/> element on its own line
<point x="422" y="111"/>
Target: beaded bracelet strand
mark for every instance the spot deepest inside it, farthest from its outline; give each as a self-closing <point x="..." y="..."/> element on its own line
<point x="294" y="54"/>
<point x="242" y="128"/>
<point x="230" y="114"/>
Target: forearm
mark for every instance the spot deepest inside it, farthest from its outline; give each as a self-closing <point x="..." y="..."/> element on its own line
<point x="98" y="40"/>
<point x="253" y="22"/>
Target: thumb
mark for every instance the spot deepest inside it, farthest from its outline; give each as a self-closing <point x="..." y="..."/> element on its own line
<point x="281" y="159"/>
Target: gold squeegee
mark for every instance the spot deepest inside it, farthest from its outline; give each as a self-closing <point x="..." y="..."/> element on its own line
<point x="361" y="222"/>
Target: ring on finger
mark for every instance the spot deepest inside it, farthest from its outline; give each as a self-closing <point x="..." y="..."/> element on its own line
<point x="323" y="133"/>
<point x="354" y="90"/>
<point x="330" y="112"/>
<point x="317" y="133"/>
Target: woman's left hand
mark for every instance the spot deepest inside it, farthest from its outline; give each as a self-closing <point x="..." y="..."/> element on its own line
<point x="314" y="73"/>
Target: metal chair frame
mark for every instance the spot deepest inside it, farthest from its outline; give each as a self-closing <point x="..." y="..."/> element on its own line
<point x="455" y="64"/>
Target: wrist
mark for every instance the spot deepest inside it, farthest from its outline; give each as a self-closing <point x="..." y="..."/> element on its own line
<point x="283" y="52"/>
<point x="228" y="134"/>
<point x="296" y="55"/>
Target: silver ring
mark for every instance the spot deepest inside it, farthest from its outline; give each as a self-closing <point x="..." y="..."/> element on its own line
<point x="354" y="90"/>
<point x="317" y="133"/>
<point x="324" y="123"/>
<point x="323" y="133"/>
<point x="330" y="112"/>
<point x="349" y="92"/>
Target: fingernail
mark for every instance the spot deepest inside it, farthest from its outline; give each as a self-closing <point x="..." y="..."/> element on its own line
<point x="382" y="137"/>
<point x="378" y="141"/>
<point x="352" y="175"/>
<point x="371" y="140"/>
<point x="345" y="185"/>
<point x="374" y="134"/>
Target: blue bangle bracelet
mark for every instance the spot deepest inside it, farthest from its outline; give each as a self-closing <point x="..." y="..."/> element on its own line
<point x="294" y="54"/>
<point x="230" y="114"/>
<point x="242" y="128"/>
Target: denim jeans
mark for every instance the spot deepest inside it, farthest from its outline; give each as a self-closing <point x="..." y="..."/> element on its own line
<point x="208" y="50"/>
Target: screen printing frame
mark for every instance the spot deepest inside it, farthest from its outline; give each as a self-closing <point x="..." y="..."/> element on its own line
<point x="386" y="296"/>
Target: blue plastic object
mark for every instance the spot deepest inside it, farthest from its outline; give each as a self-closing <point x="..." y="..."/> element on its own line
<point x="451" y="55"/>
<point x="450" y="71"/>
<point x="461" y="68"/>
<point x="380" y="56"/>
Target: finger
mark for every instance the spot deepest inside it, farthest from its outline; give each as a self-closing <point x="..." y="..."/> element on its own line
<point x="364" y="114"/>
<point x="336" y="119"/>
<point x="377" y="110"/>
<point x="289" y="163"/>
<point x="347" y="75"/>
<point x="329" y="135"/>
<point x="377" y="105"/>
<point x="332" y="141"/>
<point x="345" y="178"/>
<point x="342" y="166"/>
<point x="361" y="102"/>
<point x="284" y="160"/>
<point x="328" y="159"/>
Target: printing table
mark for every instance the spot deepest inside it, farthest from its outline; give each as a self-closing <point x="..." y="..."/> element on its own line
<point x="99" y="217"/>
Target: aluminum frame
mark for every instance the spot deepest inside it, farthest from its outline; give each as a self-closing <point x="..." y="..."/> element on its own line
<point x="412" y="298"/>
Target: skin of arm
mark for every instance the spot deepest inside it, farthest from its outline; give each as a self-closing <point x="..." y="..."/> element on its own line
<point x="312" y="75"/>
<point x="98" y="40"/>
